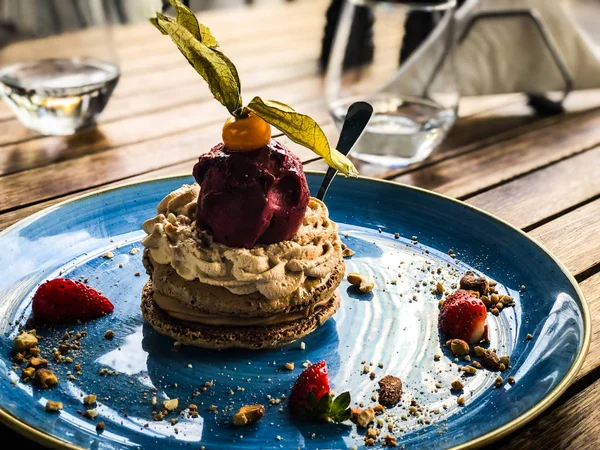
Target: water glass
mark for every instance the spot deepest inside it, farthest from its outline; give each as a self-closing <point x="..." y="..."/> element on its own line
<point x="398" y="56"/>
<point x="58" y="64"/>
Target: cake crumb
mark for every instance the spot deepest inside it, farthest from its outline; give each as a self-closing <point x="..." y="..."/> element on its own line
<point x="100" y="427"/>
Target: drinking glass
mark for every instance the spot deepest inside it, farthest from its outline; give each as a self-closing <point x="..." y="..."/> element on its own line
<point x="398" y="56"/>
<point x="58" y="64"/>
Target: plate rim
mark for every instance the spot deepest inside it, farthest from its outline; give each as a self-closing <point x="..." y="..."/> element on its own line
<point x="51" y="441"/>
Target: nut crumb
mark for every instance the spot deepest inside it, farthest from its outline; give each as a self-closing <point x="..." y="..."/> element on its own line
<point x="364" y="283"/>
<point x="248" y="414"/>
<point x="90" y="414"/>
<point x="45" y="378"/>
<point x="25" y="341"/>
<point x="52" y="406"/>
<point x="108" y="255"/>
<point x="459" y="347"/>
<point x="100" y="427"/>
<point x="529" y="337"/>
<point x="171" y="404"/>
<point x="89" y="399"/>
<point x="289" y="366"/>
<point x="109" y="334"/>
<point x="457" y="385"/>
<point x="511" y="380"/>
<point x="460" y="401"/>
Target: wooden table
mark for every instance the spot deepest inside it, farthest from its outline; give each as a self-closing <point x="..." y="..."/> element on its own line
<point x="540" y="174"/>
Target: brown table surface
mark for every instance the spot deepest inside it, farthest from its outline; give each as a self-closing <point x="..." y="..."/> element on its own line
<point x="539" y="174"/>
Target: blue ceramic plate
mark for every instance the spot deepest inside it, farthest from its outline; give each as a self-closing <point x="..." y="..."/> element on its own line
<point x="394" y="327"/>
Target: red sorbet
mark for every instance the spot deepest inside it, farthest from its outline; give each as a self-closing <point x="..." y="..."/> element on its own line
<point x="251" y="197"/>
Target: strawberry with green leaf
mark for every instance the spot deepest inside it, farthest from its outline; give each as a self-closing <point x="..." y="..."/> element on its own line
<point x="312" y="398"/>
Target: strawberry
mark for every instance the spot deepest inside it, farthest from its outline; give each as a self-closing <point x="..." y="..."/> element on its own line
<point x="462" y="316"/>
<point x="311" y="396"/>
<point x="62" y="301"/>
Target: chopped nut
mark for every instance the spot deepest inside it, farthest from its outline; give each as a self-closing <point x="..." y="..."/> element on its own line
<point x="24" y="342"/>
<point x="37" y="362"/>
<point x="477" y="365"/>
<point x="108" y="255"/>
<point x="171" y="404"/>
<point x="346" y="252"/>
<point x="52" y="406"/>
<point x="457" y="385"/>
<point x="439" y="288"/>
<point x="100" y="427"/>
<point x="364" y="283"/>
<point x="378" y="409"/>
<point x="495" y="311"/>
<point x="511" y="380"/>
<point x="366" y="369"/>
<point x="470" y="370"/>
<point x="45" y="378"/>
<point x="363" y="416"/>
<point x="460" y="401"/>
<point x="498" y="382"/>
<point x="248" y="414"/>
<point x="459" y="347"/>
<point x="109" y="334"/>
<point x="469" y="282"/>
<point x="490" y="360"/>
<point x="89" y="399"/>
<point x="289" y="366"/>
<point x="90" y="414"/>
<point x="436" y="357"/>
<point x="212" y="408"/>
<point x="529" y="337"/>
<point x="390" y="441"/>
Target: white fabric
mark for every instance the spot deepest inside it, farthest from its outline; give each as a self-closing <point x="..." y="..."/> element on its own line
<point x="508" y="55"/>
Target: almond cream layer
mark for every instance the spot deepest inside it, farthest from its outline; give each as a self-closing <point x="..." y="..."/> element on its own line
<point x="274" y="270"/>
<point x="178" y="310"/>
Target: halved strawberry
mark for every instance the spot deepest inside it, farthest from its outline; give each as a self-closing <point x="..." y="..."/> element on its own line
<point x="62" y="301"/>
<point x="462" y="316"/>
<point x="311" y="396"/>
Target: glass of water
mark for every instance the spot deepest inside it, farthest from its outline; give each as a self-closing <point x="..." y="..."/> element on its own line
<point x="398" y="56"/>
<point x="58" y="64"/>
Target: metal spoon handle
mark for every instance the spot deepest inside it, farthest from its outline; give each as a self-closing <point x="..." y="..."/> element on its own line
<point x="355" y="123"/>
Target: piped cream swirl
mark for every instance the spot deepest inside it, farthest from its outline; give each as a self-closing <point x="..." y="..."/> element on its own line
<point x="274" y="270"/>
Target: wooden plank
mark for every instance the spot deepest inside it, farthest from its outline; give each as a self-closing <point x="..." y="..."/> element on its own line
<point x="572" y="425"/>
<point x="44" y="150"/>
<point x="574" y="238"/>
<point x="98" y="169"/>
<point x="591" y="291"/>
<point x="544" y="193"/>
<point x="183" y="168"/>
<point x="471" y="173"/>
